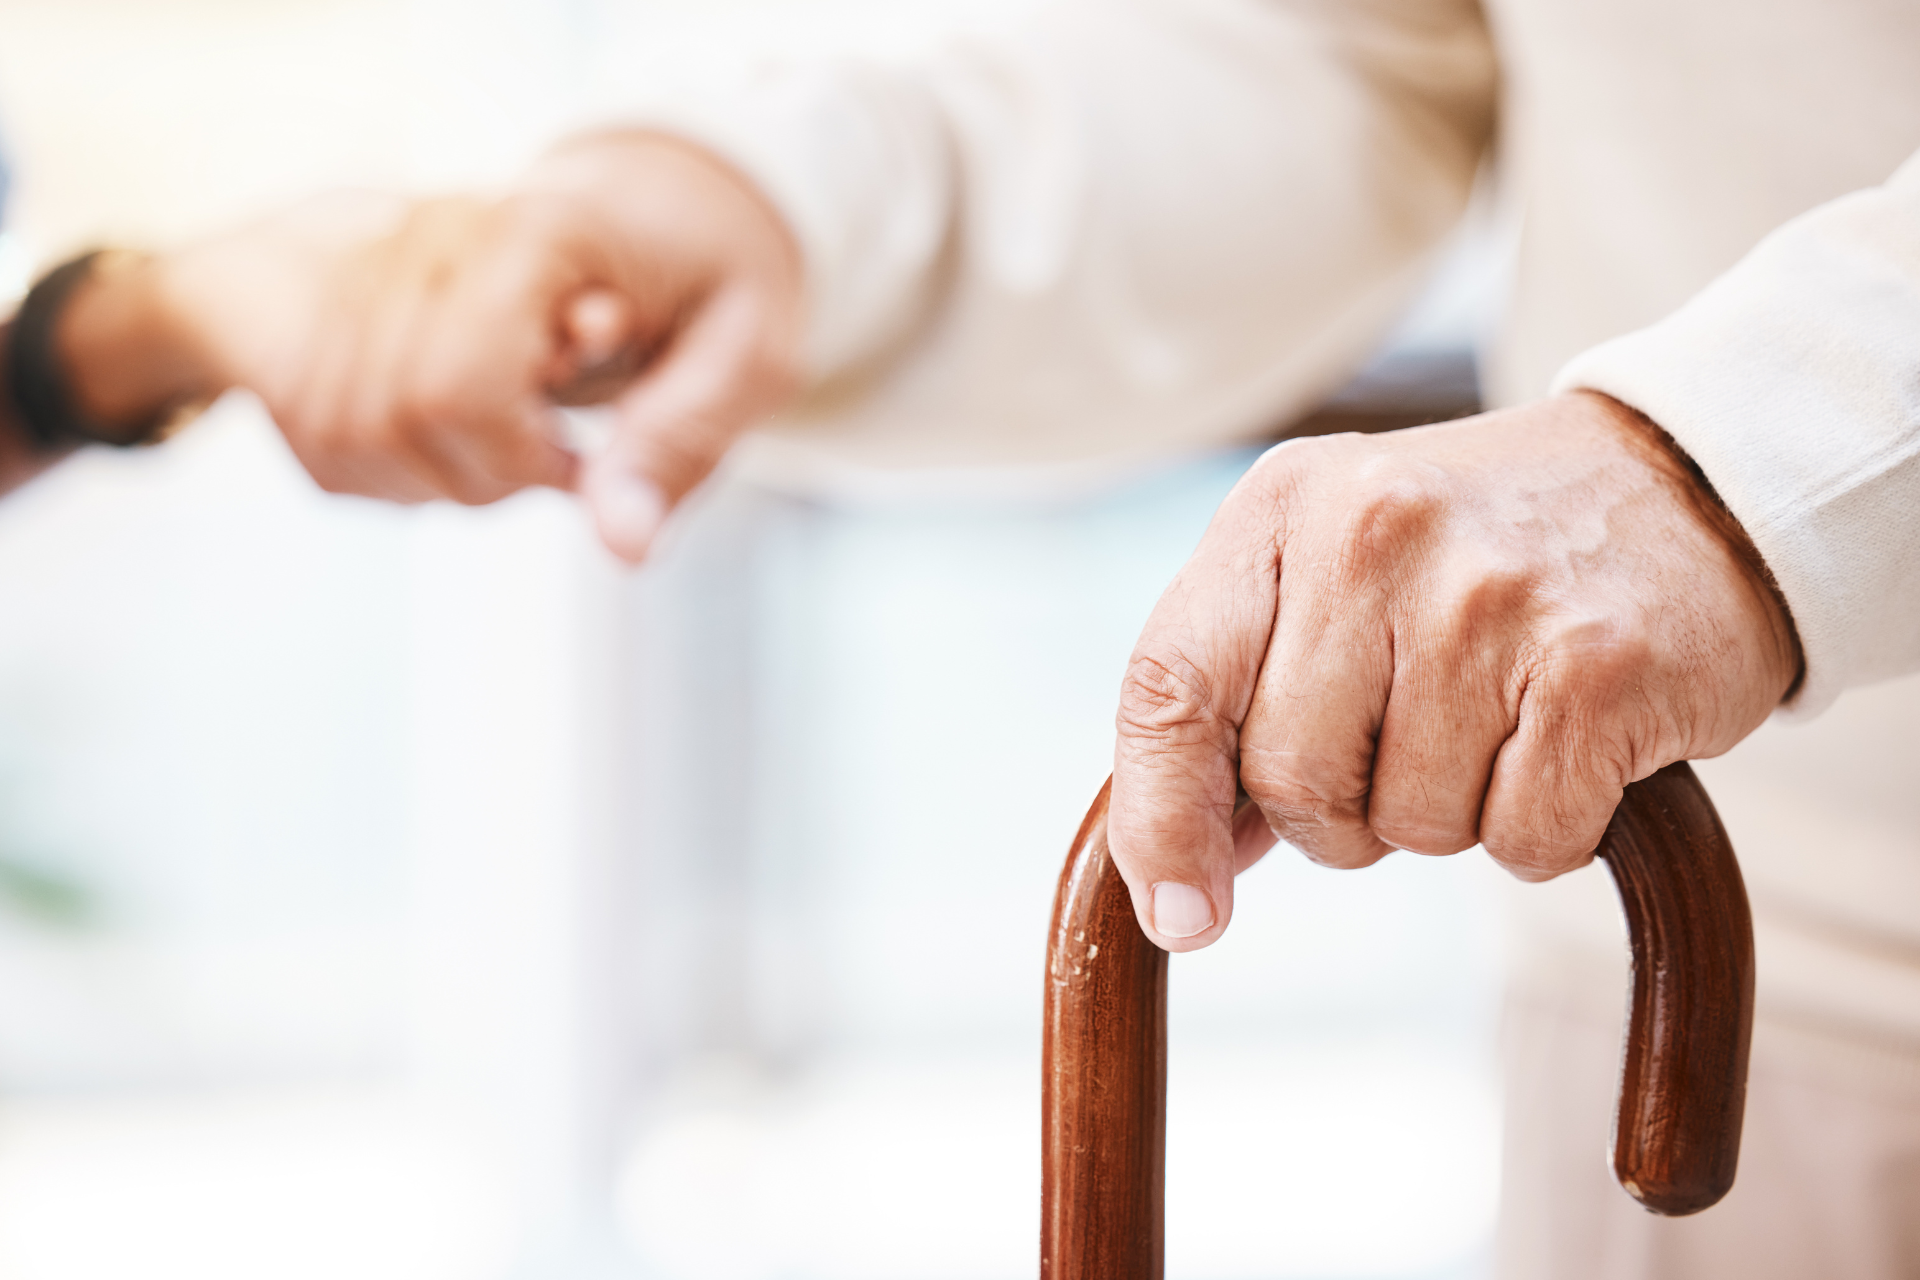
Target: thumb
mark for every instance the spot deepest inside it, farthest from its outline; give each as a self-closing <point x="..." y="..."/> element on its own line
<point x="1172" y="827"/>
<point x="601" y="348"/>
<point x="598" y="325"/>
<point x="727" y="366"/>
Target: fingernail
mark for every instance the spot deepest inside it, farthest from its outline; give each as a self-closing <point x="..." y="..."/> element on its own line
<point x="1180" y="910"/>
<point x="629" y="511"/>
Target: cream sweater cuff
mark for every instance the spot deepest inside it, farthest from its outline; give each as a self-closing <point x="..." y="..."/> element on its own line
<point x="1794" y="382"/>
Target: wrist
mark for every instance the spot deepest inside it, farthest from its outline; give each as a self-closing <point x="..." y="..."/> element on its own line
<point x="1652" y="445"/>
<point x="129" y="363"/>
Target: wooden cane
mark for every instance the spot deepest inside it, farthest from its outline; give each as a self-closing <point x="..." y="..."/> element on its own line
<point x="1683" y="1081"/>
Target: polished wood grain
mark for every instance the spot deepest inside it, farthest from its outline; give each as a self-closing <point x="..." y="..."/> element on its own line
<point x="1682" y="1089"/>
<point x="1683" y="1080"/>
<point x="1104" y="1061"/>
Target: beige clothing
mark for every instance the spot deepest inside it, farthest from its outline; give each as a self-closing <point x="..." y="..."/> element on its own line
<point x="1829" y="1164"/>
<point x="1127" y="228"/>
<point x="1137" y="226"/>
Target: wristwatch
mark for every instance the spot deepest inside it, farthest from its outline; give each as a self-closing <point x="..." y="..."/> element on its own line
<point x="37" y="379"/>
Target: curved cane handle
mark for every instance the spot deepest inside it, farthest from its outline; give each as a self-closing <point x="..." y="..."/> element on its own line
<point x="1683" y="1080"/>
<point x="1683" y="1083"/>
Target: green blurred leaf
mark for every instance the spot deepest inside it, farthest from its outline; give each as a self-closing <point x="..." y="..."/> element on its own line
<point x="46" y="896"/>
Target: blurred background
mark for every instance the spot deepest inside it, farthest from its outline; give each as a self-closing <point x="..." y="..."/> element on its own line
<point x="412" y="894"/>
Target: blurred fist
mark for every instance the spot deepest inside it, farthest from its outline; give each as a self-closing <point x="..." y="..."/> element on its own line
<point x="417" y="351"/>
<point x="1474" y="633"/>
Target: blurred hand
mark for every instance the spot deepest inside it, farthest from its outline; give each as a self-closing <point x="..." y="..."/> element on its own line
<point x="144" y="339"/>
<point x="1478" y="632"/>
<point x="424" y="359"/>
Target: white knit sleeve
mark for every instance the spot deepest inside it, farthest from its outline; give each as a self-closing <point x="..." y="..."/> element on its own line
<point x="1124" y="218"/>
<point x="1794" y="382"/>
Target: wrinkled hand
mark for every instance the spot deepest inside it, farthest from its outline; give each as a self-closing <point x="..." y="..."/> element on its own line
<point x="1478" y="632"/>
<point x="417" y="352"/>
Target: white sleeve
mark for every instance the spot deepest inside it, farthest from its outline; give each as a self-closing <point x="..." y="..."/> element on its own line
<point x="1121" y="221"/>
<point x="1794" y="382"/>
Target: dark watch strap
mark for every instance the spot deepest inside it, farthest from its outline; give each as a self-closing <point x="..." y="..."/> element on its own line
<point x="36" y="376"/>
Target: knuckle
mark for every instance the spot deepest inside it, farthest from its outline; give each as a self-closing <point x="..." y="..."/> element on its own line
<point x="1396" y="507"/>
<point x="324" y="455"/>
<point x="1599" y="687"/>
<point x="1485" y="593"/>
<point x="1595" y="653"/>
<point x="1338" y="850"/>
<point x="1426" y="837"/>
<point x="1279" y="465"/>
<point x="1276" y="477"/>
<point x="1618" y="665"/>
<point x="1557" y="828"/>
<point x="1430" y="789"/>
<point x="1166" y="701"/>
<point x="1303" y="797"/>
<point x="1536" y="856"/>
